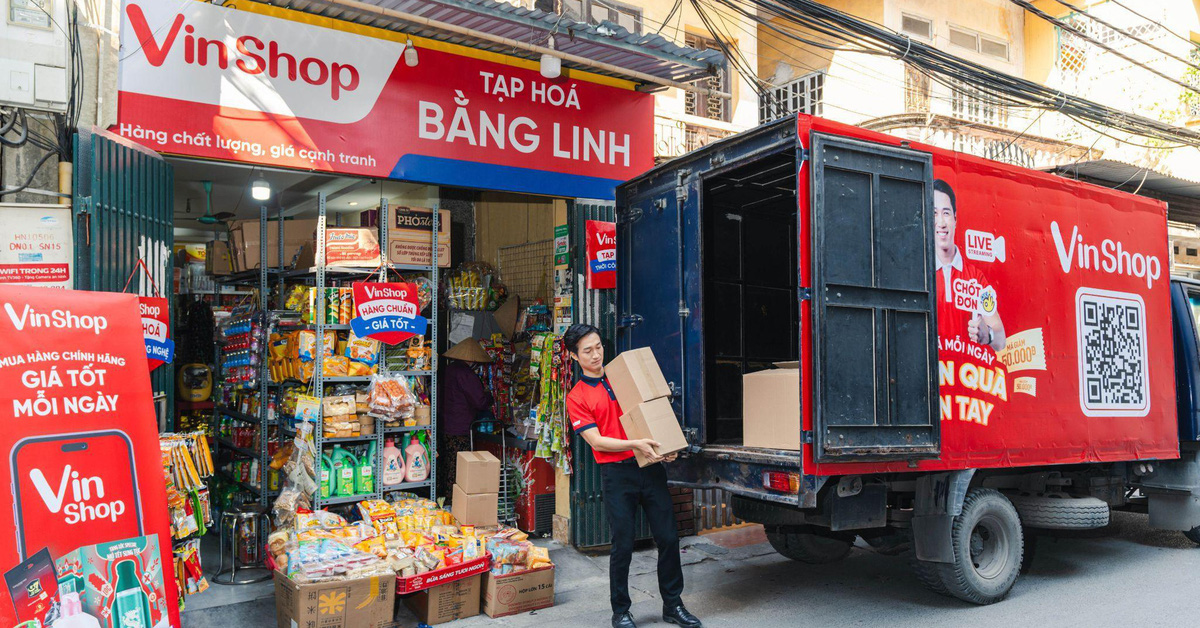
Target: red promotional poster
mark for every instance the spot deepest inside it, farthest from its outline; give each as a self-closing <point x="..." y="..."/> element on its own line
<point x="601" y="255"/>
<point x="314" y="93"/>
<point x="387" y="312"/>
<point x="1054" y="325"/>
<point x="81" y="441"/>
<point x="156" y="327"/>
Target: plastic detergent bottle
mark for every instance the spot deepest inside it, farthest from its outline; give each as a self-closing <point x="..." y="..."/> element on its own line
<point x="131" y="607"/>
<point x="326" y="475"/>
<point x="73" y="615"/>
<point x="364" y="476"/>
<point x="344" y="464"/>
<point x="393" y="464"/>
<point x="418" y="461"/>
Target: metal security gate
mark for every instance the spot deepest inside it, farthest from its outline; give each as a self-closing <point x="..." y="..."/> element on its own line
<point x="589" y="520"/>
<point x="124" y="197"/>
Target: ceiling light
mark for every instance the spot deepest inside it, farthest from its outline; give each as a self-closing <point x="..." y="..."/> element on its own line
<point x="410" y="54"/>
<point x="551" y="66"/>
<point x="260" y="190"/>
<point x="353" y="203"/>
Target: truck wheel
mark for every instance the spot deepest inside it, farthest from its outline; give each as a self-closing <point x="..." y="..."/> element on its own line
<point x="799" y="543"/>
<point x="930" y="576"/>
<point x="988" y="544"/>
<point x="1193" y="535"/>
<point x="1061" y="512"/>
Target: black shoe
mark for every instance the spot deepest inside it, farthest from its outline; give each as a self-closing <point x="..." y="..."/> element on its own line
<point x="680" y="616"/>
<point x="624" y="620"/>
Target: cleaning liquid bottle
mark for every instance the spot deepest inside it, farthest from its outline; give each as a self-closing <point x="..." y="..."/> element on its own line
<point x="326" y="476"/>
<point x="364" y="476"/>
<point x="393" y="464"/>
<point x="418" y="460"/>
<point x="344" y="464"/>
<point x="131" y="607"/>
<point x="73" y="615"/>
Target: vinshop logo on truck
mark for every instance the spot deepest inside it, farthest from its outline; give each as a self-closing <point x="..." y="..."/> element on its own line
<point x="206" y="53"/>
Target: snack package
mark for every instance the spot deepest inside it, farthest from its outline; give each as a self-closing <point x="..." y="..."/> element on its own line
<point x="381" y="515"/>
<point x="362" y="350"/>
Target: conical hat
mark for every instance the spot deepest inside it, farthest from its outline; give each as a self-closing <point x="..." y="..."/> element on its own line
<point x="468" y="350"/>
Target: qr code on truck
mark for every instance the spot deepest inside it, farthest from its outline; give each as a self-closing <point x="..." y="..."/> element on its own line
<point x="1113" y="374"/>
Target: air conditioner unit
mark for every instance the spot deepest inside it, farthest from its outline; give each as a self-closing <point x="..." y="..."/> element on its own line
<point x="34" y="56"/>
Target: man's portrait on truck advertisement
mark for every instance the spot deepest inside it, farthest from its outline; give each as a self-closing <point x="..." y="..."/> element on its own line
<point x="968" y="306"/>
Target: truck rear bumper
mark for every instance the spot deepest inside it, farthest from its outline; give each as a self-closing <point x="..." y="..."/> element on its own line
<point x="739" y="470"/>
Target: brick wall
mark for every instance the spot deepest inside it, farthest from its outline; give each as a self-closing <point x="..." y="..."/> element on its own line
<point x="685" y="519"/>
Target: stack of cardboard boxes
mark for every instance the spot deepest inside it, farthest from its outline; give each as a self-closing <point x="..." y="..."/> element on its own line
<point x="476" y="490"/>
<point x="645" y="398"/>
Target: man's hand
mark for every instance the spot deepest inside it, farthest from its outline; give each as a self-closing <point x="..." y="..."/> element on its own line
<point x="975" y="328"/>
<point x="647" y="448"/>
<point x="671" y="457"/>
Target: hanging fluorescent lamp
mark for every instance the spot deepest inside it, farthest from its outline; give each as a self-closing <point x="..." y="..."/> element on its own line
<point x="410" y="54"/>
<point x="551" y="66"/>
<point x="260" y="190"/>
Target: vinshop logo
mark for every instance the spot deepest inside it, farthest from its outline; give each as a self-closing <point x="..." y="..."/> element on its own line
<point x="212" y="54"/>
<point x="86" y="494"/>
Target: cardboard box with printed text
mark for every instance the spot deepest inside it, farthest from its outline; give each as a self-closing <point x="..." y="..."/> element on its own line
<point x="446" y="602"/>
<point x="358" y="603"/>
<point x="518" y="593"/>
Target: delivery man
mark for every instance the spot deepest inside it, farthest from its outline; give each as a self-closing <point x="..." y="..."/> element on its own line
<point x="596" y="416"/>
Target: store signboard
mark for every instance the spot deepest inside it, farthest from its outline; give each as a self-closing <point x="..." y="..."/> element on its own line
<point x="272" y="86"/>
<point x="601" y="254"/>
<point x="80" y="442"/>
<point x="561" y="245"/>
<point x="36" y="245"/>
<point x="156" y="328"/>
<point x="388" y="312"/>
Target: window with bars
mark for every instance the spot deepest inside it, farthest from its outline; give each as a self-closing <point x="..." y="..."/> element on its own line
<point x="803" y="95"/>
<point x="969" y="103"/>
<point x="916" y="90"/>
<point x="596" y="11"/>
<point x="708" y="106"/>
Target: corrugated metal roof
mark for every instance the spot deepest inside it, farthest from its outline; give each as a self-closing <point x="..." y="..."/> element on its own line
<point x="605" y="42"/>
<point x="1123" y="175"/>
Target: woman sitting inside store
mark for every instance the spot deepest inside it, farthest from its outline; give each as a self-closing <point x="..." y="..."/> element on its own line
<point x="462" y="399"/>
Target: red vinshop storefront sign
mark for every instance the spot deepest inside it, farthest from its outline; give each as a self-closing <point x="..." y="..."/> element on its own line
<point x="271" y="86"/>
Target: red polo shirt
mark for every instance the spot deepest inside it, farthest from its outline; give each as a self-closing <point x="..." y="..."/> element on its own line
<point x="591" y="404"/>
<point x="952" y="322"/>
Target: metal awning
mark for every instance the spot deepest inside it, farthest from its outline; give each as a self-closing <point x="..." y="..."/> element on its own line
<point x="624" y="54"/>
<point x="1181" y="194"/>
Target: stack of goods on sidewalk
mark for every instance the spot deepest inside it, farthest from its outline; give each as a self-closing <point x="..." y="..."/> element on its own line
<point x="187" y="462"/>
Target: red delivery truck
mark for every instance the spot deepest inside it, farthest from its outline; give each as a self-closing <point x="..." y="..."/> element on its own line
<point x="870" y="337"/>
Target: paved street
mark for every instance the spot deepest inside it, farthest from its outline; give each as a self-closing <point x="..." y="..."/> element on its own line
<point x="1124" y="575"/>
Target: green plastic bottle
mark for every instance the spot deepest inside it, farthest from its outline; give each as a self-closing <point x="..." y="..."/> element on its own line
<point x="344" y="464"/>
<point x="326" y="475"/>
<point x="364" y="478"/>
<point x="131" y="607"/>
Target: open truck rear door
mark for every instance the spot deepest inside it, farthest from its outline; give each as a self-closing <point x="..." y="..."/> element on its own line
<point x="874" y="337"/>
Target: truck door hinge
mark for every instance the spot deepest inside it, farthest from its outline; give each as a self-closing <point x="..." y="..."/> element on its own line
<point x="684" y="312"/>
<point x="806" y="437"/>
<point x="803" y="154"/>
<point x="629" y="215"/>
<point x="631" y="320"/>
<point x="805" y="294"/>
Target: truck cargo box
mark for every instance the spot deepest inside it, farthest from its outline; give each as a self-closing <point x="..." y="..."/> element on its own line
<point x="948" y="311"/>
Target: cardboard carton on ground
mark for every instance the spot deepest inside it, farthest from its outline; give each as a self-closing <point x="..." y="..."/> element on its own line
<point x="635" y="378"/>
<point x="359" y="603"/>
<point x="445" y="602"/>
<point x="474" y="509"/>
<point x="771" y="407"/>
<point x="477" y="472"/>
<point x="654" y="420"/>
<point x="518" y="593"/>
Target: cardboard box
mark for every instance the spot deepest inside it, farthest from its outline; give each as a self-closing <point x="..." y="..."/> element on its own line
<point x="636" y="378"/>
<point x="477" y="510"/>
<point x="477" y="472"/>
<point x="351" y="246"/>
<point x="409" y="236"/>
<point x="771" y="408"/>
<point x="359" y="603"/>
<point x="654" y="420"/>
<point x="245" y="241"/>
<point x="445" y="602"/>
<point x="518" y="592"/>
<point x="218" y="260"/>
<point x="98" y="573"/>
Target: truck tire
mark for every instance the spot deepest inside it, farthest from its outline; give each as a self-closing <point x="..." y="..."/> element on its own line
<point x="1061" y="512"/>
<point x="930" y="576"/>
<point x="988" y="544"/>
<point x="801" y="544"/>
<point x="1193" y="535"/>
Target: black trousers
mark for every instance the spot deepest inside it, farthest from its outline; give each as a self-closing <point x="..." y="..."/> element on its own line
<point x="626" y="486"/>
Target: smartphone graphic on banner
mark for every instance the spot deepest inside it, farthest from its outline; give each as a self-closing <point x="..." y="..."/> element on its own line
<point x="71" y="490"/>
